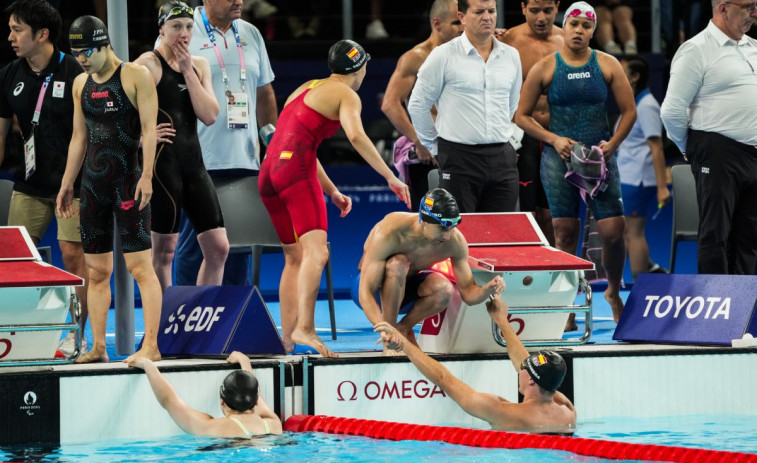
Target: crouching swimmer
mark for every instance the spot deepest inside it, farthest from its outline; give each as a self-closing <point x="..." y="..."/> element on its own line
<point x="397" y="259"/>
<point x="245" y="411"/>
<point x="543" y="410"/>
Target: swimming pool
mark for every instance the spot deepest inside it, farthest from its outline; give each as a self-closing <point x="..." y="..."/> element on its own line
<point x="718" y="432"/>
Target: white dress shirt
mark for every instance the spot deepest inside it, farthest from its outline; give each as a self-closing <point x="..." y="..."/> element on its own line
<point x="715" y="79"/>
<point x="475" y="99"/>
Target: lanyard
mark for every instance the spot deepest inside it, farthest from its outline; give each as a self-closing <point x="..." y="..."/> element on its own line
<point x="42" y="91"/>
<point x="211" y="36"/>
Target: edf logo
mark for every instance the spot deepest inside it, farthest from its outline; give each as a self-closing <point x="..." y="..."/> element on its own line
<point x="199" y="319"/>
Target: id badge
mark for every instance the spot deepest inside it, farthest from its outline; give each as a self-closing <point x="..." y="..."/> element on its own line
<point x="237" y="113"/>
<point x="30" y="159"/>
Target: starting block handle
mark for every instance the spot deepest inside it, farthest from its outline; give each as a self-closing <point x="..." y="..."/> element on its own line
<point x="588" y="317"/>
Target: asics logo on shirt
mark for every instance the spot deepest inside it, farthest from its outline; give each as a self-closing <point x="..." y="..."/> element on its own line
<point x="579" y="75"/>
<point x="19" y="88"/>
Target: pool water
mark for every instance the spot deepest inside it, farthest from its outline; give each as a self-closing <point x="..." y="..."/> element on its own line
<point x="719" y="432"/>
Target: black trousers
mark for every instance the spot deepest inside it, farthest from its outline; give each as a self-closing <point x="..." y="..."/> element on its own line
<point x="482" y="178"/>
<point x="725" y="172"/>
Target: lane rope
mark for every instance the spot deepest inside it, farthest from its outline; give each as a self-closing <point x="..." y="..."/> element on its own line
<point x="607" y="449"/>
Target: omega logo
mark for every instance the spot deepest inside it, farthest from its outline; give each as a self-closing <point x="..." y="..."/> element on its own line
<point x="385" y="390"/>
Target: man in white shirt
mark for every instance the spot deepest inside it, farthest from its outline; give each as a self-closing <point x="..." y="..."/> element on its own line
<point x="445" y="26"/>
<point x="474" y="81"/>
<point x="711" y="116"/>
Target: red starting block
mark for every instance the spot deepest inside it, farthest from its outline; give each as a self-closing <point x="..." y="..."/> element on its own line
<point x="36" y="299"/>
<point x="542" y="284"/>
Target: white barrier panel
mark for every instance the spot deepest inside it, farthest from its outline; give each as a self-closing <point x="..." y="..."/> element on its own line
<point x="399" y="392"/>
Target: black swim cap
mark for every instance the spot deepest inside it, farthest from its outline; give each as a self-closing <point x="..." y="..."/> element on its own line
<point x="546" y="368"/>
<point x="240" y="390"/>
<point x="173" y="10"/>
<point x="439" y="208"/>
<point x="88" y="32"/>
<point x="347" y="56"/>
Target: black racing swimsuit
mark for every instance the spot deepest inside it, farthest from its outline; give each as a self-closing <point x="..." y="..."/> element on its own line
<point x="180" y="179"/>
<point x="111" y="170"/>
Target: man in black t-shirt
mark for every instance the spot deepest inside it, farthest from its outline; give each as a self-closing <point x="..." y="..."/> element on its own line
<point x="34" y="28"/>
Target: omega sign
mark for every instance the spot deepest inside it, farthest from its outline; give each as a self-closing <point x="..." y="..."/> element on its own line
<point x="348" y="391"/>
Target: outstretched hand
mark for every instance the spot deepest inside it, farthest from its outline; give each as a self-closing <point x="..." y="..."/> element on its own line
<point x="139" y="362"/>
<point x="497" y="308"/>
<point x="495" y="286"/>
<point x="390" y="337"/>
<point x="400" y="189"/>
<point x="343" y="202"/>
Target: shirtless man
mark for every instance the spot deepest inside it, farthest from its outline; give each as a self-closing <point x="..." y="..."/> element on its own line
<point x="543" y="410"/>
<point x="445" y="26"/>
<point x="397" y="256"/>
<point x="245" y="411"/>
<point x="535" y="39"/>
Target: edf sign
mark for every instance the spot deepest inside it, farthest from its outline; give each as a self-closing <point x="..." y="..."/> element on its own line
<point x="216" y="320"/>
<point x="689" y="309"/>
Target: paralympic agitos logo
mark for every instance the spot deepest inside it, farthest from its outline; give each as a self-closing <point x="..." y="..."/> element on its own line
<point x="387" y="390"/>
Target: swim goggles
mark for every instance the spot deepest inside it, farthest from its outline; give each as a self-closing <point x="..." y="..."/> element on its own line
<point x="86" y="53"/>
<point x="444" y="222"/>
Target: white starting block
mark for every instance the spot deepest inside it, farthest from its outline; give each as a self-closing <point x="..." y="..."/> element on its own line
<point x="36" y="298"/>
<point x="542" y="285"/>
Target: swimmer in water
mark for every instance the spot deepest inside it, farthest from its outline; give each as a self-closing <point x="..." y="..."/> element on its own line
<point x="544" y="409"/>
<point x="245" y="411"/>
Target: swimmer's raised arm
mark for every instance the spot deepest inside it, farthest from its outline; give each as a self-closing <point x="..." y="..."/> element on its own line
<point x="187" y="418"/>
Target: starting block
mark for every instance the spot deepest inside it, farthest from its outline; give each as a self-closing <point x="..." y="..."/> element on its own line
<point x="36" y="300"/>
<point x="542" y="285"/>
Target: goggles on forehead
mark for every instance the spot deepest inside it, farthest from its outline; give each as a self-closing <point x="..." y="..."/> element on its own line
<point x="444" y="222"/>
<point x="86" y="53"/>
<point x="175" y="11"/>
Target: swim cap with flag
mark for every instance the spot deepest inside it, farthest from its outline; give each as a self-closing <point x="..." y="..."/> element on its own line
<point x="440" y="208"/>
<point x="580" y="10"/>
<point x="347" y="56"/>
<point x="546" y="368"/>
<point x="88" y="32"/>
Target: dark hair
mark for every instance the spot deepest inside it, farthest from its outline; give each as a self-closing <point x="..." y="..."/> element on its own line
<point x="638" y="65"/>
<point x="240" y="390"/>
<point x="38" y="14"/>
<point x="525" y="2"/>
<point x="462" y="6"/>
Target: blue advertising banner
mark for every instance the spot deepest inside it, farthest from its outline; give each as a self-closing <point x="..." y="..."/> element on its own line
<point x="689" y="309"/>
<point x="215" y="320"/>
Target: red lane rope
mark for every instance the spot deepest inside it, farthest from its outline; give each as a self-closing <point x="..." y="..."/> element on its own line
<point x="501" y="439"/>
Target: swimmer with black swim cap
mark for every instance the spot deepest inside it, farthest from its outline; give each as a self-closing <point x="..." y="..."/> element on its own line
<point x="439" y="207"/>
<point x="245" y="411"/>
<point x="346" y="57"/>
<point x="239" y="391"/>
<point x="543" y="409"/>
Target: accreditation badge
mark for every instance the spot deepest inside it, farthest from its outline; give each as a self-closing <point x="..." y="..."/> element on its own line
<point x="237" y="110"/>
<point x="30" y="158"/>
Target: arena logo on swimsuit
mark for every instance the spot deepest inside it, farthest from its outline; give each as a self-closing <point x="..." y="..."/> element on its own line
<point x="579" y="75"/>
<point x="103" y="94"/>
<point x="666" y="305"/>
<point x="373" y="390"/>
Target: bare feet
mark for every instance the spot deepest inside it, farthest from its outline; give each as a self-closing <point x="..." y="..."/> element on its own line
<point x="288" y="345"/>
<point x="312" y="340"/>
<point x="93" y="356"/>
<point x="150" y="353"/>
<point x="570" y="325"/>
<point x="616" y="303"/>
